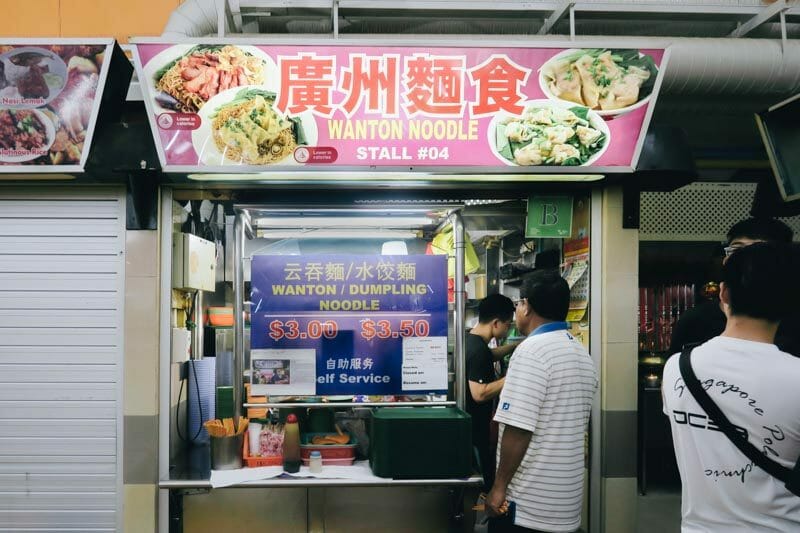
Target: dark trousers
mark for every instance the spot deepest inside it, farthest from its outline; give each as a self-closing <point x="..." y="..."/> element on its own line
<point x="498" y="525"/>
<point x="503" y="524"/>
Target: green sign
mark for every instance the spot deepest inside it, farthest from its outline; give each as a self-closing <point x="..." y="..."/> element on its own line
<point x="549" y="217"/>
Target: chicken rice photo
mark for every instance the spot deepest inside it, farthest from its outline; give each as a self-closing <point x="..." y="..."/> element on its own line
<point x="600" y="79"/>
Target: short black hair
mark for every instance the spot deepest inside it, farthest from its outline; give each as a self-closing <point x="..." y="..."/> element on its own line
<point x="547" y="293"/>
<point x="495" y="306"/>
<point x="761" y="280"/>
<point x="762" y="229"/>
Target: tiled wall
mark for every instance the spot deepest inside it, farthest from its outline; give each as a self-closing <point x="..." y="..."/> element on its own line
<point x="619" y="296"/>
<point x="84" y="18"/>
<point x="140" y="452"/>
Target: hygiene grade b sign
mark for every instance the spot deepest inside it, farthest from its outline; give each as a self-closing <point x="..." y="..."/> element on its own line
<point x="348" y="324"/>
<point x="246" y="106"/>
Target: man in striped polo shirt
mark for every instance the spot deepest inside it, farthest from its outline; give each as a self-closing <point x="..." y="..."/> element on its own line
<point x="543" y="413"/>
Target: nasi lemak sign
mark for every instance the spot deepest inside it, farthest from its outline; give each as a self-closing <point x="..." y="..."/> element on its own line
<point x="50" y="95"/>
<point x="239" y="107"/>
<point x="348" y="324"/>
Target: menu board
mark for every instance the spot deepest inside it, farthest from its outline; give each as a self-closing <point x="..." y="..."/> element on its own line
<point x="49" y="99"/>
<point x="236" y="107"/>
<point x="348" y="324"/>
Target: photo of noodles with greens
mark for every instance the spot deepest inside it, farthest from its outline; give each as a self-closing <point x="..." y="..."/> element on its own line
<point x="600" y="79"/>
<point x="549" y="135"/>
<point x="248" y="130"/>
<point x="191" y="80"/>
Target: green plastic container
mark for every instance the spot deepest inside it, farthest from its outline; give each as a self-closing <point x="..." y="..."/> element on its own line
<point x="420" y="443"/>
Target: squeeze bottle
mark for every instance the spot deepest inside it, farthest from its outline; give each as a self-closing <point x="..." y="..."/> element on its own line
<point x="291" y="445"/>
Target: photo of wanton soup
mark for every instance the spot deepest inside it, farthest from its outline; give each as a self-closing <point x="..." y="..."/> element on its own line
<point x="606" y="81"/>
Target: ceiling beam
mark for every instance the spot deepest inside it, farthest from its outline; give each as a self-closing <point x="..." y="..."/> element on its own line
<point x="767" y="13"/>
<point x="555" y="16"/>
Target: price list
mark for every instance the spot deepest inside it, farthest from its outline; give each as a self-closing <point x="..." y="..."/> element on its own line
<point x="367" y="324"/>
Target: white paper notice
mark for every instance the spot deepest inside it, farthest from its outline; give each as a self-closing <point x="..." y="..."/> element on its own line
<point x="424" y="363"/>
<point x="283" y="372"/>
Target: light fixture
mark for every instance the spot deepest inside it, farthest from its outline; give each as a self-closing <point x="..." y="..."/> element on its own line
<point x="328" y="233"/>
<point x="344" y="222"/>
<point x="295" y="177"/>
<point x="394" y="248"/>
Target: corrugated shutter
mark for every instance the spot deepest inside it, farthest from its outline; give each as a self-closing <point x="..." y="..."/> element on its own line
<point x="61" y="346"/>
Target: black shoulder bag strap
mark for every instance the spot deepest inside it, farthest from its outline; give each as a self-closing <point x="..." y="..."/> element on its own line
<point x="791" y="478"/>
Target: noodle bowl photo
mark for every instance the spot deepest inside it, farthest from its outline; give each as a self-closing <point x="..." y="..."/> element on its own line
<point x="241" y="126"/>
<point x="191" y="80"/>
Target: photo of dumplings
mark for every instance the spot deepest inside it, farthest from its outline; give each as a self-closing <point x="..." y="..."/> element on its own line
<point x="609" y="81"/>
<point x="248" y="130"/>
<point x="549" y="133"/>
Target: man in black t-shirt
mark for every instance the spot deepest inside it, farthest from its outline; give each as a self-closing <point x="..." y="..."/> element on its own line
<point x="707" y="320"/>
<point x="495" y="316"/>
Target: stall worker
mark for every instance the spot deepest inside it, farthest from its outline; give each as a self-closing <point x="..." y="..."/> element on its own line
<point x="495" y="316"/>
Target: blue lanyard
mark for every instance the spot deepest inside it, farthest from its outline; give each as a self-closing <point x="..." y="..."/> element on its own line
<point x="550" y="326"/>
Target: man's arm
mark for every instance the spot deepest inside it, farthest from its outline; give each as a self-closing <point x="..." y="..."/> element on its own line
<point x="512" y="449"/>
<point x="504" y="350"/>
<point x="483" y="392"/>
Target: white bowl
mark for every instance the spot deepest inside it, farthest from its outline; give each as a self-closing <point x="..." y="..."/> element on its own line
<point x="50" y="137"/>
<point x="595" y="121"/>
<point x="601" y="112"/>
<point x="14" y="72"/>
<point x="205" y="147"/>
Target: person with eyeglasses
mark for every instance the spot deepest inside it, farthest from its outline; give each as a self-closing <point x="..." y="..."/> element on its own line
<point x="495" y="317"/>
<point x="754" y="386"/>
<point x="707" y="320"/>
<point x="543" y="414"/>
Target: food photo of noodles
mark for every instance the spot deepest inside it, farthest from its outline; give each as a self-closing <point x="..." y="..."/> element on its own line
<point x="191" y="77"/>
<point x="242" y="127"/>
<point x="609" y="81"/>
<point x="549" y="133"/>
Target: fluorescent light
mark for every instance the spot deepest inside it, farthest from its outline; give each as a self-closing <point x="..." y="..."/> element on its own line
<point x="400" y="178"/>
<point x="326" y="233"/>
<point x="344" y="222"/>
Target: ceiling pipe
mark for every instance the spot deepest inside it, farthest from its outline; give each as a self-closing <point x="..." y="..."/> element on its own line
<point x="698" y="66"/>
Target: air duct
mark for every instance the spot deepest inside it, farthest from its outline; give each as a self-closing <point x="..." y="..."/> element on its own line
<point x="698" y="66"/>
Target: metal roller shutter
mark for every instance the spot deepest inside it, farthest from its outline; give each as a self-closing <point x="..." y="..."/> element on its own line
<point x="62" y="271"/>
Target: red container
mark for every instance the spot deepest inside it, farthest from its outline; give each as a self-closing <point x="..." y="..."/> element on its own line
<point x="250" y="461"/>
<point x="343" y="452"/>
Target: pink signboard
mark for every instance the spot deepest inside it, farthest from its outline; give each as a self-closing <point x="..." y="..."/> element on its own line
<point x="236" y="107"/>
<point x="50" y="94"/>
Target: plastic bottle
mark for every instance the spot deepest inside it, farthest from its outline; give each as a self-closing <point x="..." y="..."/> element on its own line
<point x="315" y="462"/>
<point x="291" y="445"/>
